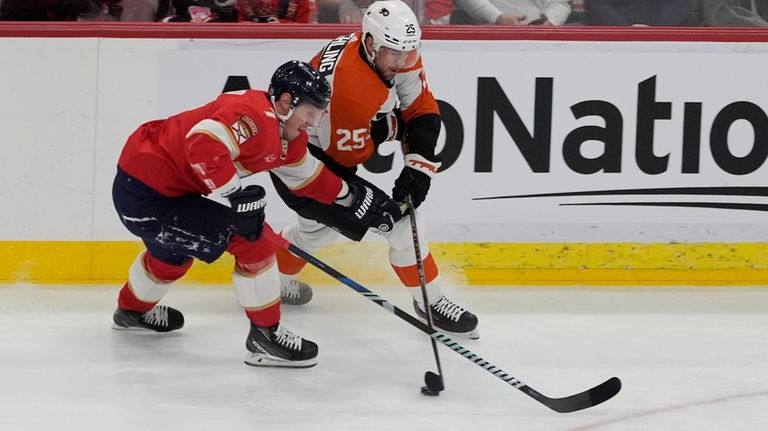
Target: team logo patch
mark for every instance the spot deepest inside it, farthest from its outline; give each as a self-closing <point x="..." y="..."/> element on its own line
<point x="244" y="128"/>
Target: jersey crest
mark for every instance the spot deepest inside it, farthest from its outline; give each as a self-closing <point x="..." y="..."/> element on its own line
<point x="244" y="128"/>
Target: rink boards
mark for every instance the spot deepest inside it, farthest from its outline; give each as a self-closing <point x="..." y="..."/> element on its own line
<point x="566" y="160"/>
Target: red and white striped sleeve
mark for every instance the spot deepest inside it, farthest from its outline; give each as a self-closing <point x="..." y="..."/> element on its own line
<point x="309" y="177"/>
<point x="210" y="150"/>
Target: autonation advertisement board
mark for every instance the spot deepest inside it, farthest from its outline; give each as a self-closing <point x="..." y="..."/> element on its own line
<point x="541" y="141"/>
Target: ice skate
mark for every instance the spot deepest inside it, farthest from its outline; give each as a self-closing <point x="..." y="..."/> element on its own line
<point x="295" y="292"/>
<point x="450" y="319"/>
<point x="160" y="318"/>
<point x="277" y="346"/>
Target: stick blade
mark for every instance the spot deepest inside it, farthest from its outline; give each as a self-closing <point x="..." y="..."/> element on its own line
<point x="589" y="398"/>
<point x="434" y="381"/>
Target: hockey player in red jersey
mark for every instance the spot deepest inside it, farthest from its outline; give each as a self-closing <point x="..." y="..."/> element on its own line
<point x="379" y="93"/>
<point x="168" y="166"/>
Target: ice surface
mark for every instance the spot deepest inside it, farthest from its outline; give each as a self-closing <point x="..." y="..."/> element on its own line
<point x="690" y="359"/>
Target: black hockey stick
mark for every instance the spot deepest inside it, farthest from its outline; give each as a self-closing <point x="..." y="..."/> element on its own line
<point x="592" y="397"/>
<point x="435" y="383"/>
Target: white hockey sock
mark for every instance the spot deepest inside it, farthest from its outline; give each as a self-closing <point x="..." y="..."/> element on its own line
<point x="257" y="291"/>
<point x="145" y="287"/>
<point x="434" y="292"/>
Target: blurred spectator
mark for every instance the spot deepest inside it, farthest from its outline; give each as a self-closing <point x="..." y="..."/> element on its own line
<point x="88" y="10"/>
<point x="515" y="12"/>
<point x="637" y="12"/>
<point x="58" y="10"/>
<point x="351" y="11"/>
<point x="140" y="10"/>
<point x="24" y="10"/>
<point x="733" y="13"/>
<point x="300" y="11"/>
<point x="203" y="11"/>
<point x="448" y="11"/>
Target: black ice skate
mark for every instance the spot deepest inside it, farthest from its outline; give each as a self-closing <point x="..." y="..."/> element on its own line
<point x="449" y="318"/>
<point x="295" y="292"/>
<point x="160" y="318"/>
<point x="279" y="347"/>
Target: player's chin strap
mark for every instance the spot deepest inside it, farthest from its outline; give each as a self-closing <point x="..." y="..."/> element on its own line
<point x="281" y="117"/>
<point x="370" y="56"/>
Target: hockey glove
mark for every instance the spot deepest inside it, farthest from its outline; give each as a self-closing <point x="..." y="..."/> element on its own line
<point x="248" y="212"/>
<point x="371" y="207"/>
<point x="414" y="179"/>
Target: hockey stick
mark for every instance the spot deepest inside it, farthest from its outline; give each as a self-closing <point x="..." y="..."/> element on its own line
<point x="435" y="383"/>
<point x="591" y="397"/>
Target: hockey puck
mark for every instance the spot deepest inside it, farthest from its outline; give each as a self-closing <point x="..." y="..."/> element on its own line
<point x="429" y="392"/>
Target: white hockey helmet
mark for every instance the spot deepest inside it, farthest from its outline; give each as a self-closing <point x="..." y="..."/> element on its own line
<point x="393" y="25"/>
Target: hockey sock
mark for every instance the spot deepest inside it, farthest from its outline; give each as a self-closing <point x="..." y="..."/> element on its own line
<point x="257" y="289"/>
<point x="265" y="317"/>
<point x="149" y="279"/>
<point x="127" y="300"/>
<point x="409" y="276"/>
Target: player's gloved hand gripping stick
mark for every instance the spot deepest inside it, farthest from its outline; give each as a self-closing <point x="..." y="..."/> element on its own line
<point x="370" y="207"/>
<point x="248" y="211"/>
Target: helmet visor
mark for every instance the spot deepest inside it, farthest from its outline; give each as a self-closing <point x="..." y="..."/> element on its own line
<point x="398" y="59"/>
<point x="309" y="115"/>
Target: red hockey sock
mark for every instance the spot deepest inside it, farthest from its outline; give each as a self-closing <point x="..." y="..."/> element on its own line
<point x="265" y="317"/>
<point x="164" y="272"/>
<point x="128" y="301"/>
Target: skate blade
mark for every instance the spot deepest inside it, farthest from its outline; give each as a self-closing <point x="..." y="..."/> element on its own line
<point x="117" y="327"/>
<point x="471" y="335"/>
<point x="262" y="360"/>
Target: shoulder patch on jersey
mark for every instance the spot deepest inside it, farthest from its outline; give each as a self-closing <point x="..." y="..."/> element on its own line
<point x="244" y="128"/>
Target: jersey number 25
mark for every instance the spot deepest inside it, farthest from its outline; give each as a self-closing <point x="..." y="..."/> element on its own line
<point x="350" y="139"/>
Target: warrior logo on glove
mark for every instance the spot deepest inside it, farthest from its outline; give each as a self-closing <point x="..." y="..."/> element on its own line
<point x="248" y="212"/>
<point x="250" y="206"/>
<point x="365" y="204"/>
<point x="371" y="207"/>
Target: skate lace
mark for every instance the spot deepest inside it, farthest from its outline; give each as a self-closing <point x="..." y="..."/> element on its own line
<point x="292" y="289"/>
<point x="158" y="316"/>
<point x="286" y="338"/>
<point x="448" y="308"/>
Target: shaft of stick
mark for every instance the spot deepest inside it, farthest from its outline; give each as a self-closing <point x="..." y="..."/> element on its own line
<point x="423" y="280"/>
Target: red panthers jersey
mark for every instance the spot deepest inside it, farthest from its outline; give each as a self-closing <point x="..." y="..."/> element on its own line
<point x="358" y="94"/>
<point x="208" y="149"/>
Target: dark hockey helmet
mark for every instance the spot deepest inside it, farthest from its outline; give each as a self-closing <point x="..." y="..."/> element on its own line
<point x="303" y="82"/>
